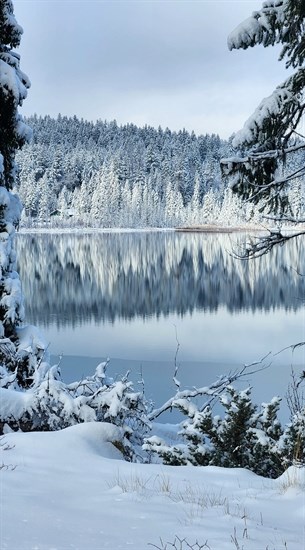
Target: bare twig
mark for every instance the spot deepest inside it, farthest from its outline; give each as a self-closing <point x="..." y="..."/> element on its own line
<point x="294" y="397"/>
<point x="11" y="467"/>
<point x="298" y="134"/>
<point x="180" y="544"/>
<point x="175" y="379"/>
<point x="235" y="540"/>
<point x="293" y="347"/>
<point x="141" y="382"/>
<point x="261" y="245"/>
<point x="213" y="391"/>
<point x="4" y="446"/>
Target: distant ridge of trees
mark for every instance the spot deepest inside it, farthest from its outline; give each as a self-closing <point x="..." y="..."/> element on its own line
<point x="108" y="175"/>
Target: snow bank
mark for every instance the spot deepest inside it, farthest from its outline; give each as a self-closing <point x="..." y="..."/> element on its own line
<point x="71" y="490"/>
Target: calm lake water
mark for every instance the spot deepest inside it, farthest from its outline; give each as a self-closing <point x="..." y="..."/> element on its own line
<point x="127" y="295"/>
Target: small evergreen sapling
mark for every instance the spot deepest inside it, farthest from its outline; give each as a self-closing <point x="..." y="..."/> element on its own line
<point x="242" y="438"/>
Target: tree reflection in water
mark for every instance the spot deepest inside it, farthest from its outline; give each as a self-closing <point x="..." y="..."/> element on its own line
<point x="73" y="279"/>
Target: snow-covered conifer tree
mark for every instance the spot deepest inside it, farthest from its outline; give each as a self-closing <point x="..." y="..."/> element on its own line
<point x="13" y="134"/>
<point x="210" y="207"/>
<point x="271" y="134"/>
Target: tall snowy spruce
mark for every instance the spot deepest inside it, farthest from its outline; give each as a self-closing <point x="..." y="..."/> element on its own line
<point x="13" y="134"/>
<point x="268" y="162"/>
<point x="32" y="394"/>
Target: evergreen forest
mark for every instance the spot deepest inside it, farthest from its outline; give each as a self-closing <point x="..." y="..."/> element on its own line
<point x="80" y="173"/>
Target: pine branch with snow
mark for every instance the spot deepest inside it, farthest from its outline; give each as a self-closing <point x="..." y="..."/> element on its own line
<point x="267" y="164"/>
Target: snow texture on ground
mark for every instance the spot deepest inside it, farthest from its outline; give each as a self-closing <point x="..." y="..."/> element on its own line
<point x="72" y="490"/>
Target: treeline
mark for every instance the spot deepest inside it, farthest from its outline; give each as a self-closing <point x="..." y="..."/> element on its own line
<point x="101" y="174"/>
<point x="109" y="175"/>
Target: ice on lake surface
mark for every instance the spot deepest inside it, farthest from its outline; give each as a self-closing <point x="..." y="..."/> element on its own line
<point x="127" y="295"/>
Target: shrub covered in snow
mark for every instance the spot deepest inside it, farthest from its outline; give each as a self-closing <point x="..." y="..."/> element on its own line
<point x="244" y="437"/>
<point x="50" y="404"/>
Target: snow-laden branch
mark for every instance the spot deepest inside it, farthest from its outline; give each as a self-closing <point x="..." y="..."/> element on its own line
<point x="280" y="106"/>
<point x="261" y="155"/>
<point x="262" y="27"/>
<point x="276" y="184"/>
<point x="275" y="153"/>
<point x="279" y="182"/>
<point x="212" y="392"/>
<point x="232" y="164"/>
<point x="242" y="172"/>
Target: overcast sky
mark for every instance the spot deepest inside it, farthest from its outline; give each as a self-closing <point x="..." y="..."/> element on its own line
<point x="157" y="62"/>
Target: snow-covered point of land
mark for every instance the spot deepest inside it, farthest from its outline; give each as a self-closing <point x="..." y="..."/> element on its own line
<point x="71" y="490"/>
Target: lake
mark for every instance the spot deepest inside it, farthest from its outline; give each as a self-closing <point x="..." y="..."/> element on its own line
<point x="132" y="296"/>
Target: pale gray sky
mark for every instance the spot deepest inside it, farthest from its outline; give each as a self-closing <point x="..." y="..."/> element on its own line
<point x="157" y="62"/>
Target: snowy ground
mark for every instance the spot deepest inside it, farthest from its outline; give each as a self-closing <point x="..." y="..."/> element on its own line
<point x="71" y="490"/>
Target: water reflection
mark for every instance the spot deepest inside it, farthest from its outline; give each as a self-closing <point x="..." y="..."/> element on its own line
<point x="72" y="279"/>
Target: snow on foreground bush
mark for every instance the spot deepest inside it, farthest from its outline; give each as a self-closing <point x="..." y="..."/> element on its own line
<point x="50" y="404"/>
<point x="71" y="489"/>
<point x="245" y="437"/>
